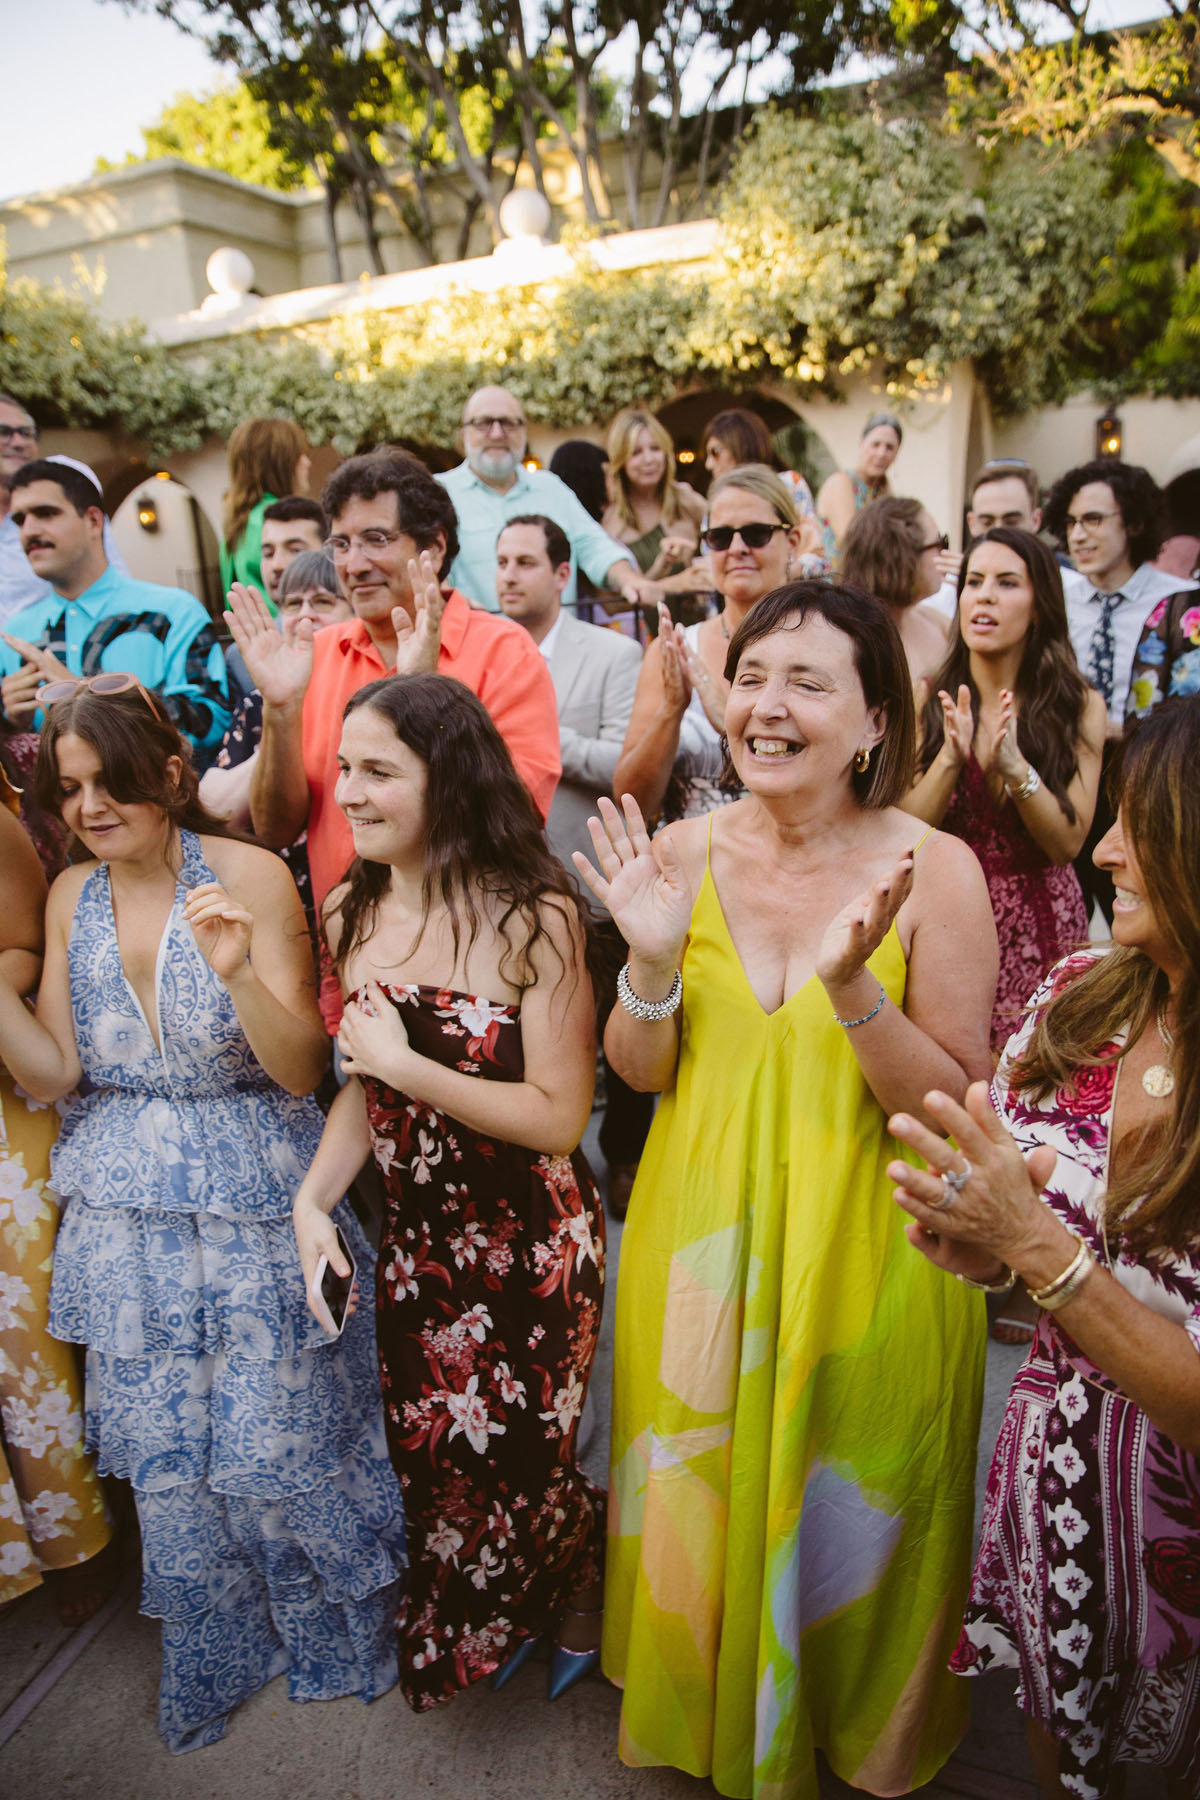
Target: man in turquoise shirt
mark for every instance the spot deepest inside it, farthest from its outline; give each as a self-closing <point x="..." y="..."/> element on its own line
<point x="95" y="619"/>
<point x="493" y="485"/>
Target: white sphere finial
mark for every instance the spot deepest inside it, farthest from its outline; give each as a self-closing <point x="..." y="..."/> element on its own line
<point x="230" y="273"/>
<point x="525" y="214"/>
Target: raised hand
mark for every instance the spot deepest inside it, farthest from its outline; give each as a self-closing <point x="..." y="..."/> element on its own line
<point x="959" y="723"/>
<point x="222" y="929"/>
<point x="641" y="883"/>
<point x="859" y="929"/>
<point x="372" y="1039"/>
<point x="998" y="1210"/>
<point x="712" y="689"/>
<point x="280" y="667"/>
<point x="1004" y="754"/>
<point x="677" y="686"/>
<point x="419" y="633"/>
<point x="19" y="690"/>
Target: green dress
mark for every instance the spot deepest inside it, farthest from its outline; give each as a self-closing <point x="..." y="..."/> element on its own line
<point x="244" y="562"/>
<point x="796" y="1404"/>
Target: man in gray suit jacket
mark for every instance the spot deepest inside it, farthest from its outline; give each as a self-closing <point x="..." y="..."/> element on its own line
<point x="595" y="673"/>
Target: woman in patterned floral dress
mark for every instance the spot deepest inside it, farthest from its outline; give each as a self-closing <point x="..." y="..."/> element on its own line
<point x="53" y="1520"/>
<point x="271" y="1520"/>
<point x="1011" y="737"/>
<point x="1087" y="1184"/>
<point x="468" y="1033"/>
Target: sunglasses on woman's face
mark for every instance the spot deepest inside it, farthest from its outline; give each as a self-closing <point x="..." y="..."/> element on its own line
<point x="942" y="543"/>
<point x="103" y="685"/>
<point x="754" y="537"/>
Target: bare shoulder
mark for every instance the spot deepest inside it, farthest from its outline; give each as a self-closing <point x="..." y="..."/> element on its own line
<point x="1094" y="724"/>
<point x="835" y="487"/>
<point x="66" y="889"/>
<point x="689" y="840"/>
<point x="247" y="870"/>
<point x="946" y="872"/>
<point x="694" y="505"/>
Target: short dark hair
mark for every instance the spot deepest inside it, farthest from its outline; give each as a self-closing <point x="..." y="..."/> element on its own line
<point x="1140" y="501"/>
<point x="423" y="507"/>
<point x="879" y="658"/>
<point x="1008" y="468"/>
<point x="581" y="465"/>
<point x="81" y="492"/>
<point x="297" y="506"/>
<point x="558" y="545"/>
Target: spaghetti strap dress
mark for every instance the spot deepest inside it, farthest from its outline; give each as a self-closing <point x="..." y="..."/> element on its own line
<point x="490" y="1287"/>
<point x="271" y="1521"/>
<point x="796" y="1404"/>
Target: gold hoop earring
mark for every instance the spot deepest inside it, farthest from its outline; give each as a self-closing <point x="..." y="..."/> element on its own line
<point x="862" y="762"/>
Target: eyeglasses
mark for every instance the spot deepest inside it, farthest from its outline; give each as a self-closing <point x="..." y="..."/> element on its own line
<point x="102" y="685"/>
<point x="942" y="543"/>
<point x="29" y="433"/>
<point x="1088" y="521"/>
<point x="507" y="425"/>
<point x="371" y="541"/>
<point x="754" y="537"/>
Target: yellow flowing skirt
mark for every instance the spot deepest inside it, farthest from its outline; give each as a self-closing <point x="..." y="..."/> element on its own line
<point x="796" y="1406"/>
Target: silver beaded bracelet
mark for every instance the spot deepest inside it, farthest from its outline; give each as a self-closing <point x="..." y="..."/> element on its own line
<point x="851" y="1023"/>
<point x="1027" y="788"/>
<point x="648" y="1010"/>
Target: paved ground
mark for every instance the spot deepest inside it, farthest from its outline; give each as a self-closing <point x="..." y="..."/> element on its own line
<point x="93" y="1733"/>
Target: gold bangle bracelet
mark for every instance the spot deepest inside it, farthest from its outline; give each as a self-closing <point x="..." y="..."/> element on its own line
<point x="1004" y="1286"/>
<point x="1064" y="1287"/>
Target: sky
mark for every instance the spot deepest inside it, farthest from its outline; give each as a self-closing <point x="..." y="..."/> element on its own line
<point x="83" y="77"/>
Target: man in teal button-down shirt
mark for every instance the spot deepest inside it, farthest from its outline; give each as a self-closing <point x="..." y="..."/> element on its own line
<point x="493" y="485"/>
<point x="95" y="618"/>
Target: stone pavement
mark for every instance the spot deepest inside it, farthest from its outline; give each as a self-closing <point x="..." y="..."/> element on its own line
<point x="93" y="1735"/>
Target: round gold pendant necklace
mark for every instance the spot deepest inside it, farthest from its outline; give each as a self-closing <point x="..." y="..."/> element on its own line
<point x="1159" y="1080"/>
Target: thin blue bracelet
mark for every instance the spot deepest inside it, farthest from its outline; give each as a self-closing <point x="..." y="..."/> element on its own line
<point x="851" y="1023"/>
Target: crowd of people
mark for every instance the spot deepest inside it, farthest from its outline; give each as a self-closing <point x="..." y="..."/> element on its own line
<point x="319" y="921"/>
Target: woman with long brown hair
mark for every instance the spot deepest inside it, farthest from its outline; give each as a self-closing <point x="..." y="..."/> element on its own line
<point x="1085" y="1182"/>
<point x="268" y="459"/>
<point x="891" y="548"/>
<point x="178" y="980"/>
<point x="1009" y="756"/>
<point x="469" y="1038"/>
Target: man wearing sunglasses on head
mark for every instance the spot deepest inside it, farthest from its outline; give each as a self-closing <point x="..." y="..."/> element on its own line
<point x="19" y="586"/>
<point x="96" y="620"/>
<point x="493" y="485"/>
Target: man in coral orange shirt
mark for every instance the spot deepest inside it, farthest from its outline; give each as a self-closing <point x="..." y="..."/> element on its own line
<point x="393" y="532"/>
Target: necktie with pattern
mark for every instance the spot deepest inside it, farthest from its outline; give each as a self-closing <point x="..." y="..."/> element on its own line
<point x="1100" y="660"/>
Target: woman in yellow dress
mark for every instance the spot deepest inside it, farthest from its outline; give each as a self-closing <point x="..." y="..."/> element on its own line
<point x="53" y="1519"/>
<point x="796" y="1400"/>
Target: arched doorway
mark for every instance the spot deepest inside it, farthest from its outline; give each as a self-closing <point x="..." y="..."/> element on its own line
<point x="165" y="536"/>
<point x="796" y="444"/>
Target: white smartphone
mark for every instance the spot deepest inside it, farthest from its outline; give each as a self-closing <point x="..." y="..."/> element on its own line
<point x="330" y="1292"/>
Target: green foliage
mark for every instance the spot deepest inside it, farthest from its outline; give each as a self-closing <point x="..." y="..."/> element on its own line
<point x="227" y="130"/>
<point x="847" y="245"/>
<point x="851" y="243"/>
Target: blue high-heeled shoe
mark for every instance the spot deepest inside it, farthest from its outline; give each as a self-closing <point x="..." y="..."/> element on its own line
<point x="517" y="1660"/>
<point x="569" y="1666"/>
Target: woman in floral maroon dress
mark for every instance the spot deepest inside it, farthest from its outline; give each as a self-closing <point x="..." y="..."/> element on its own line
<point x="1009" y="760"/>
<point x="1087" y="1184"/>
<point x="468" y="1035"/>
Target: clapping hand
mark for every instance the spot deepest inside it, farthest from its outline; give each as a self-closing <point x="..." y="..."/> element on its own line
<point x="419" y="633"/>
<point x="641" y="883"/>
<point x="677" y="685"/>
<point x="959" y="722"/>
<point x="711" y="688"/>
<point x="994" y="1214"/>
<point x="372" y="1039"/>
<point x="221" y="927"/>
<point x="859" y="929"/>
<point x="280" y="667"/>
<point x="1005" y="755"/>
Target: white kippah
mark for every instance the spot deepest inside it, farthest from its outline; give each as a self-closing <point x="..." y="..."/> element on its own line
<point x="81" y="468"/>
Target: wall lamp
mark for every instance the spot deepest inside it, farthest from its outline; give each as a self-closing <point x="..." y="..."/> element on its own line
<point x="1110" y="436"/>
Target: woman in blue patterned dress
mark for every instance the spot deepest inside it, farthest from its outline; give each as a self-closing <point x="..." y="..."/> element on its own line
<point x="271" y="1522"/>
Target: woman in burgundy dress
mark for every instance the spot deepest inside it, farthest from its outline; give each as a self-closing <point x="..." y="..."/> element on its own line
<point x="1011" y="737"/>
<point x="468" y="1036"/>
